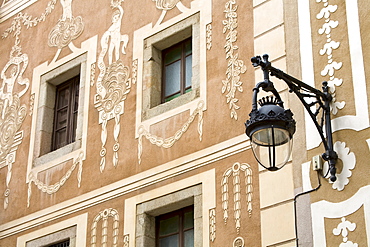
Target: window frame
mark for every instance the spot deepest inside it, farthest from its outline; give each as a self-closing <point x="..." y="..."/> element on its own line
<point x="183" y="69"/>
<point x="181" y="213"/>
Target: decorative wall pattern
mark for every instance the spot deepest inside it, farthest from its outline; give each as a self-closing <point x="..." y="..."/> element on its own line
<point x="169" y="141"/>
<point x="103" y="216"/>
<point x="349" y="162"/>
<point x="66" y="30"/>
<point x="51" y="189"/>
<point x="235" y="66"/>
<point x="126" y="240"/>
<point x="212" y="224"/>
<point x="209" y="36"/>
<point x="235" y="172"/>
<point x="327" y="210"/>
<point x="328" y="49"/>
<point x="343" y="229"/>
<point x="238" y="242"/>
<point x="113" y="83"/>
<point x="166" y="5"/>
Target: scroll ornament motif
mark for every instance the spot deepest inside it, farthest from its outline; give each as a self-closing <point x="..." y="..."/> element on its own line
<point x="235" y="172"/>
<point x="343" y="229"/>
<point x="51" y="189"/>
<point x="168" y="142"/>
<point x="349" y="162"/>
<point x="103" y="216"/>
<point x="235" y="66"/>
<point x="113" y="83"/>
<point x="330" y="46"/>
<point x="212" y="224"/>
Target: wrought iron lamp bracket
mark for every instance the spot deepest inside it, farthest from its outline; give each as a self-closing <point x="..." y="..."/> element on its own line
<point x="310" y="97"/>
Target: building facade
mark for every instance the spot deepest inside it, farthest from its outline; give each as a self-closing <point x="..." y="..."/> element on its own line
<point x="122" y="123"/>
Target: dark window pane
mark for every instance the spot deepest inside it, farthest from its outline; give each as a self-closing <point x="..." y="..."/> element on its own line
<point x="176" y="70"/>
<point x="189" y="238"/>
<point x="188" y="219"/>
<point x="172" y="83"/>
<point x="188" y="71"/>
<point x="172" y="55"/>
<point x="171" y="241"/>
<point x="63" y="98"/>
<point x="188" y="47"/>
<point x="169" y="226"/>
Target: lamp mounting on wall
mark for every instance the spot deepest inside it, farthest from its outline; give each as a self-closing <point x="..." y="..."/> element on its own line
<point x="271" y="127"/>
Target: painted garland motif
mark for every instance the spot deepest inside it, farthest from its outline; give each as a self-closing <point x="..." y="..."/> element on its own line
<point x="235" y="66"/>
<point x="170" y="141"/>
<point x="234" y="171"/>
<point x="113" y="83"/>
<point x="51" y="189"/>
<point x="329" y="47"/>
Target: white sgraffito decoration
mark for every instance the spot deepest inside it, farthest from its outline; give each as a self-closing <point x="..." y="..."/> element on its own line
<point x="234" y="171"/>
<point x="167" y="5"/>
<point x="343" y="228"/>
<point x="103" y="216"/>
<point x="235" y="66"/>
<point x="329" y="47"/>
<point x="113" y="82"/>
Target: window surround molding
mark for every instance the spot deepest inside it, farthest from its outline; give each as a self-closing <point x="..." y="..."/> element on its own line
<point x="145" y="37"/>
<point x="44" y="76"/>
<point x="75" y="228"/>
<point x="168" y="198"/>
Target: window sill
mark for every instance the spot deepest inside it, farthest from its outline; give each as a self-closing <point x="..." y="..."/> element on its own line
<point x="56" y="154"/>
<point x="170" y="105"/>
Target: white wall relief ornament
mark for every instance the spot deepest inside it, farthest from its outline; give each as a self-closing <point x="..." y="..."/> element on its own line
<point x="235" y="66"/>
<point x="212" y="224"/>
<point x="323" y="210"/>
<point x="330" y="45"/>
<point x="51" y="189"/>
<point x="170" y="141"/>
<point x="209" y="36"/>
<point x="238" y="242"/>
<point x="234" y="171"/>
<point x="103" y="216"/>
<point x="343" y="229"/>
<point x="166" y="5"/>
<point x="113" y="83"/>
<point x="349" y="162"/>
<point x="12" y="113"/>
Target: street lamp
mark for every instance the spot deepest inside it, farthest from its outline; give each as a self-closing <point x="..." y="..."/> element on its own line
<point x="271" y="127"/>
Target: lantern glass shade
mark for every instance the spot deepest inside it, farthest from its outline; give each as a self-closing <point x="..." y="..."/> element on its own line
<point x="272" y="147"/>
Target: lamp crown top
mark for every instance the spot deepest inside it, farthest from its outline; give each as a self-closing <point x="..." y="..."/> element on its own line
<point x="268" y="100"/>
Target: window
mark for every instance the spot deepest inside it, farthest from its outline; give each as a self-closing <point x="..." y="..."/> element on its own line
<point x="176" y="229"/>
<point x="62" y="238"/>
<point x="65" y="114"/>
<point x="177" y="70"/>
<point x="64" y="243"/>
<point x="171" y="68"/>
<point x="170" y="217"/>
